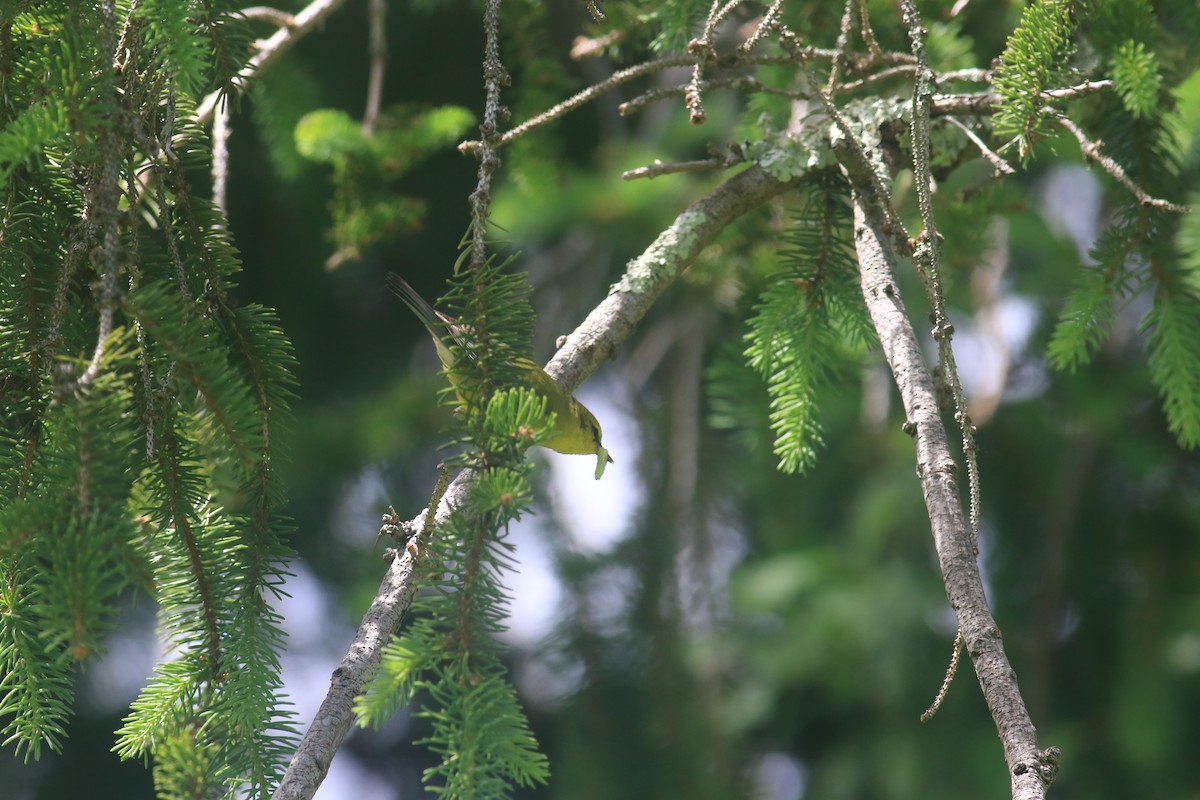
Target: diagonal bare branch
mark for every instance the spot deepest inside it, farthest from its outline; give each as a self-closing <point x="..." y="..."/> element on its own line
<point x="1031" y="770"/>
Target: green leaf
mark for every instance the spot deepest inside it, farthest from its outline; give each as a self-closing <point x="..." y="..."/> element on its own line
<point x="330" y="135"/>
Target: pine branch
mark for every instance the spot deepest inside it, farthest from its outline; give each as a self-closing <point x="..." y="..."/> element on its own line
<point x="807" y="322"/>
<point x="1035" y="56"/>
<point x="1086" y="316"/>
<point x="1174" y="327"/>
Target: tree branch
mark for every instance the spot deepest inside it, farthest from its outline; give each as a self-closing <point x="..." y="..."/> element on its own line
<point x="333" y="719"/>
<point x="580" y="98"/>
<point x="595" y="340"/>
<point x="1031" y="770"/>
<point x="1093" y="153"/>
<point x="985" y="103"/>
<point x="279" y="43"/>
<point x="647" y="276"/>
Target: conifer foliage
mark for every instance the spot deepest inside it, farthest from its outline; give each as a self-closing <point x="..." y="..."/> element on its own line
<point x="141" y="403"/>
<point x="810" y="321"/>
<point x="449" y="657"/>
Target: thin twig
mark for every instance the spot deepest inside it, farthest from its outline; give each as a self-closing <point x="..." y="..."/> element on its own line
<point x="984" y="103"/>
<point x="268" y="51"/>
<point x="839" y="48"/>
<point x="716" y="16"/>
<point x="494" y="77"/>
<point x="693" y="96"/>
<point x="951" y="671"/>
<point x="172" y="241"/>
<point x="701" y="48"/>
<point x="377" y="50"/>
<point x="577" y="100"/>
<point x="868" y="33"/>
<point x="1001" y="166"/>
<point x="745" y="84"/>
<point x="274" y="16"/>
<point x="1078" y="90"/>
<point x="882" y="75"/>
<point x="104" y="201"/>
<point x="588" y="46"/>
<point x="972" y="74"/>
<point x="129" y="26"/>
<point x="220" y="157"/>
<point x="765" y="26"/>
<point x="660" y="168"/>
<point x="1093" y="153"/>
<point x="797" y="54"/>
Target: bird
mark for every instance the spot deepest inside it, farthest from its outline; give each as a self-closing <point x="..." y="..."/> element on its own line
<point x="576" y="430"/>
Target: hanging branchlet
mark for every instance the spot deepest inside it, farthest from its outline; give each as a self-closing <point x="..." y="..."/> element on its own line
<point x="868" y="33"/>
<point x="1094" y="153"/>
<point x="594" y="9"/>
<point x="495" y="77"/>
<point x="951" y="671"/>
<point x="926" y="256"/>
<point x="839" y="49"/>
<point x="105" y="194"/>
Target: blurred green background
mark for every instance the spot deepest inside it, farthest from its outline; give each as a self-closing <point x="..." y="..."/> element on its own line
<point x="697" y="625"/>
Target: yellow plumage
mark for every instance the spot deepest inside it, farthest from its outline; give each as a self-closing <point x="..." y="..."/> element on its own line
<point x="575" y="431"/>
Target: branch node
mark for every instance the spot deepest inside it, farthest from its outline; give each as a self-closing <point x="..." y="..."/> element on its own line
<point x="1044" y="764"/>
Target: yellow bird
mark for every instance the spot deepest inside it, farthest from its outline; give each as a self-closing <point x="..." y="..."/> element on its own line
<point x="575" y="431"/>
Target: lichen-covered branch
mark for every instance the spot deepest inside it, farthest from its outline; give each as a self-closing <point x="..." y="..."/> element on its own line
<point x="332" y="722"/>
<point x="647" y="276"/>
